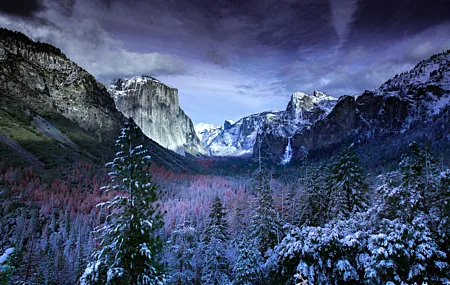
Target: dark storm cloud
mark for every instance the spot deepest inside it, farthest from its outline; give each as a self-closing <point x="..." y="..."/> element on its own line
<point x="65" y="6"/>
<point x="384" y="21"/>
<point x="249" y="55"/>
<point x="22" y="8"/>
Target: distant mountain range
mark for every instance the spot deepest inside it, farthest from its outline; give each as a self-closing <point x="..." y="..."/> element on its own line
<point x="236" y="139"/>
<point x="53" y="111"/>
<point x="405" y="105"/>
<point x="414" y="105"/>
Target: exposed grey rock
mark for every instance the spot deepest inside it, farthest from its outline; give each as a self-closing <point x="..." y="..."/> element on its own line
<point x="38" y="81"/>
<point x="155" y="108"/>
<point x="39" y="77"/>
<point x="402" y="104"/>
<point x="239" y="138"/>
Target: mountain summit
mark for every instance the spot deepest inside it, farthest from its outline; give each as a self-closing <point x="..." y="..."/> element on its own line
<point x="235" y="139"/>
<point x="155" y="108"/>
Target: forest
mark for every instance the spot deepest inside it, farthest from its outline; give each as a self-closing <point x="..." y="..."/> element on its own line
<point x="320" y="222"/>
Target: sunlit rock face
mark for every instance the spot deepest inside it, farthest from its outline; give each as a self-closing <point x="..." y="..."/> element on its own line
<point x="155" y="108"/>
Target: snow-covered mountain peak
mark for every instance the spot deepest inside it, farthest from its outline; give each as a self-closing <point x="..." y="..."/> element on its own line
<point x="238" y="138"/>
<point x="322" y="96"/>
<point x="428" y="84"/>
<point x="303" y="101"/>
<point x="133" y="83"/>
<point x="207" y="132"/>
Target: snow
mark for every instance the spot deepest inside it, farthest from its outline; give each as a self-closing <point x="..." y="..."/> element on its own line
<point x="5" y="256"/>
<point x="440" y="103"/>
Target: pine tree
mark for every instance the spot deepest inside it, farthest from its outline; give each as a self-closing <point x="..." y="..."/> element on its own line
<point x="317" y="197"/>
<point x="265" y="224"/>
<point x="128" y="239"/>
<point x="215" y="269"/>
<point x="247" y="270"/>
<point x="182" y="246"/>
<point x="419" y="186"/>
<point x="346" y="183"/>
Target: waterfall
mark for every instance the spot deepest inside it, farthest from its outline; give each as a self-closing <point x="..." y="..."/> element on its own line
<point x="287" y="153"/>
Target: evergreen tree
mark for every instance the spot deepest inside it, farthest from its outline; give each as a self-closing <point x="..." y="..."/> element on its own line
<point x="418" y="189"/>
<point x="128" y="239"/>
<point x="182" y="246"/>
<point x="247" y="270"/>
<point x="317" y="197"/>
<point x="265" y="224"/>
<point x="215" y="269"/>
<point x="346" y="183"/>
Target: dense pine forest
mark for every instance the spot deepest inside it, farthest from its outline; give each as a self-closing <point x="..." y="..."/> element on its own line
<point x="132" y="223"/>
<point x="302" y="167"/>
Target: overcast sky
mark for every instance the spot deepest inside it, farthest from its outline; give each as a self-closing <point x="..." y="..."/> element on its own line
<point x="231" y="58"/>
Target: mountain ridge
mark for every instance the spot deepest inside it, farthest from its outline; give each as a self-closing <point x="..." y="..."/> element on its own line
<point x="41" y="88"/>
<point x="398" y="106"/>
<point x="238" y="139"/>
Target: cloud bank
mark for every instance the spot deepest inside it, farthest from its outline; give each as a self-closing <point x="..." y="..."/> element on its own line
<point x="234" y="58"/>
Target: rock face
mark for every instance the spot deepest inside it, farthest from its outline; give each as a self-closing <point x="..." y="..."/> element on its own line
<point x="52" y="98"/>
<point x="207" y="132"/>
<point x="40" y="78"/>
<point x="400" y="105"/>
<point x="155" y="108"/>
<point x="236" y="139"/>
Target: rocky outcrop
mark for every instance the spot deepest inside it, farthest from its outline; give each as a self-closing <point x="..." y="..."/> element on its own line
<point x="239" y="138"/>
<point x="155" y="108"/>
<point x="38" y="77"/>
<point x="400" y="105"/>
<point x="37" y="81"/>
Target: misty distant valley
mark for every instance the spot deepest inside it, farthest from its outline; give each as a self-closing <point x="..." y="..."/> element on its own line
<point x="243" y="143"/>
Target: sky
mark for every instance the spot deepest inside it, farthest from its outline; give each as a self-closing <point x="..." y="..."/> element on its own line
<point x="232" y="58"/>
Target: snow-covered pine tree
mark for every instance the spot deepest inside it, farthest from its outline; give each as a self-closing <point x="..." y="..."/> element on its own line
<point x="407" y="248"/>
<point x="247" y="270"/>
<point x="346" y="183"/>
<point x="6" y="269"/>
<point x="215" y="269"/>
<point x="182" y="246"/>
<point x="265" y="227"/>
<point x="317" y="197"/>
<point x="129" y="242"/>
<point x="418" y="189"/>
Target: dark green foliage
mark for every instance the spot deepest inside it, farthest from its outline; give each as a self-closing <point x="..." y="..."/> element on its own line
<point x="346" y="184"/>
<point x="129" y="240"/>
<point x="216" y="269"/>
<point x="266" y="230"/>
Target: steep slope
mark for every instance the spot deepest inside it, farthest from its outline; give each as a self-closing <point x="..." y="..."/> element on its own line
<point x="55" y="110"/>
<point x="239" y="138"/>
<point x="401" y="106"/>
<point x="155" y="108"/>
<point x="207" y="132"/>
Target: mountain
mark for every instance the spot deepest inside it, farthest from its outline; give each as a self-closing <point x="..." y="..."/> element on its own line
<point x="414" y="104"/>
<point x="53" y="111"/>
<point x="207" y="132"/>
<point x="155" y="108"/>
<point x="236" y="139"/>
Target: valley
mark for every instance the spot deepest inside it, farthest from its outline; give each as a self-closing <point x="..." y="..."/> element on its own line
<point x="348" y="190"/>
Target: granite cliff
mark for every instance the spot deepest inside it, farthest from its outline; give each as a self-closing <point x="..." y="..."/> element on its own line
<point x="404" y="106"/>
<point x="236" y="139"/>
<point x="53" y="111"/>
<point x="155" y="108"/>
